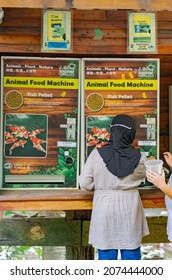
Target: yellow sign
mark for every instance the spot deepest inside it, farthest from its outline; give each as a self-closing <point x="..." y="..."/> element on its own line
<point x="27" y="82"/>
<point x="142" y="33"/>
<point x="93" y="84"/>
<point x="56" y="31"/>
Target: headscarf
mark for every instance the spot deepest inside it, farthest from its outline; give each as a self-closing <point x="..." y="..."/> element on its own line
<point x="118" y="154"/>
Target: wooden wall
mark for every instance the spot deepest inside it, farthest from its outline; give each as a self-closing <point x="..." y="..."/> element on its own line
<point x="149" y="5"/>
<point x="20" y="35"/>
<point x="20" y="32"/>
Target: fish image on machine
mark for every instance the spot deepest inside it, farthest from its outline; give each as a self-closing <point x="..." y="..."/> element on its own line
<point x="21" y="140"/>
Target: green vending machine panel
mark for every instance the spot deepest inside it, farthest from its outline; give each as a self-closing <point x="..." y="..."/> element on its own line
<point x="120" y="86"/>
<point x="40" y="115"/>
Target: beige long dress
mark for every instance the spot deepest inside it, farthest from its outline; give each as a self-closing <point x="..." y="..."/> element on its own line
<point x="118" y="220"/>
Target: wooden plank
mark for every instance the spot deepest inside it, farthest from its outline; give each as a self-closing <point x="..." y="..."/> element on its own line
<point x="20" y="39"/>
<point x="166" y="49"/>
<point x="44" y="195"/>
<point x="103" y="48"/>
<point x="46" y="200"/>
<point x="34" y="4"/>
<point x="1" y="214"/>
<point x="57" y="231"/>
<point x="40" y="232"/>
<point x="164" y="25"/>
<point x="152" y="198"/>
<point x="108" y="24"/>
<point x="65" y="199"/>
<point x="47" y="205"/>
<point x="12" y="14"/>
<point x="95" y="4"/>
<point x="116" y="33"/>
<point x="16" y="48"/>
<point x="158" y="231"/>
<point x="157" y="228"/>
<point x="132" y="4"/>
<point x="78" y="50"/>
<point x="89" y="15"/>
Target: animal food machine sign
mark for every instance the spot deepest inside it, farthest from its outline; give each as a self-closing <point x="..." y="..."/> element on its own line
<point x="120" y="86"/>
<point x="39" y="115"/>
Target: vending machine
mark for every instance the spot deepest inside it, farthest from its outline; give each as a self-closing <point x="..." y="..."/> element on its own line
<point x="40" y="120"/>
<point x="120" y="86"/>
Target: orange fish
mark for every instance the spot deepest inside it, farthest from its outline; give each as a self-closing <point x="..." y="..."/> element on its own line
<point x="40" y="148"/>
<point x="92" y="143"/>
<point x="17" y="144"/>
<point x="23" y="132"/>
<point x="8" y="135"/>
<point x="107" y="136"/>
<point x="96" y="131"/>
<point x="104" y="135"/>
<point x="90" y="137"/>
<point x="104" y="130"/>
<point x="37" y="141"/>
<point x="11" y="140"/>
<point x="33" y="133"/>
<point x="14" y="129"/>
<point x="101" y="144"/>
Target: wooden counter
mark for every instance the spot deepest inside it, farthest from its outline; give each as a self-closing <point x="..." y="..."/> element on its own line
<point x="67" y="199"/>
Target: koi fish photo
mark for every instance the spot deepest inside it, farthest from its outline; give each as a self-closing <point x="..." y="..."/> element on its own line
<point x="97" y="132"/>
<point x="27" y="139"/>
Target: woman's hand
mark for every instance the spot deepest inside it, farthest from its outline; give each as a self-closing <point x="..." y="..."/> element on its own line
<point x="156" y="179"/>
<point x="168" y="158"/>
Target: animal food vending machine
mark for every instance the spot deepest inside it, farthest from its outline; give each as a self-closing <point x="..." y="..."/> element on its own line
<point x="120" y="86"/>
<point x="40" y="113"/>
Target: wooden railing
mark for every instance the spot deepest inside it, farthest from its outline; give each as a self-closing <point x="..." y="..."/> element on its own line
<point x="65" y="199"/>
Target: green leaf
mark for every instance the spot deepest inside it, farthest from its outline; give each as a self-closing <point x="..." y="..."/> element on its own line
<point x="73" y="177"/>
<point x="61" y="151"/>
<point x="67" y="173"/>
<point x="72" y="170"/>
<point x="75" y="165"/>
<point x="8" y="213"/>
<point x="48" y="171"/>
<point x="60" y="157"/>
<point x="62" y="163"/>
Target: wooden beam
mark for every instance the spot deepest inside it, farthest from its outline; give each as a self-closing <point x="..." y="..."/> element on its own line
<point x="154" y="5"/>
<point x="67" y="199"/>
<point x="158" y="230"/>
<point x="47" y="205"/>
<point x="60" y="232"/>
<point x="40" y="232"/>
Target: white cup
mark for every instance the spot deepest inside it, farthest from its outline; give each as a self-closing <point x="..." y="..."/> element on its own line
<point x="154" y="165"/>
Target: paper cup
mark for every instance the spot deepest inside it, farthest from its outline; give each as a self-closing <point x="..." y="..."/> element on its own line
<point x="154" y="165"/>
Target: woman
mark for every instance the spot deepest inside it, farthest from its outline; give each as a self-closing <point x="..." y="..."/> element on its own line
<point x="159" y="182"/>
<point x="114" y="172"/>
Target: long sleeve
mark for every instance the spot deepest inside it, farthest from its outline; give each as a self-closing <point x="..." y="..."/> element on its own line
<point x="86" y="177"/>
